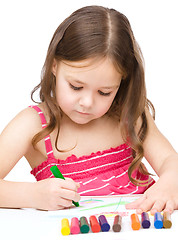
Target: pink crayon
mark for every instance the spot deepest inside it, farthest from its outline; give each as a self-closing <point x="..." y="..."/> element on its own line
<point x="74" y="229"/>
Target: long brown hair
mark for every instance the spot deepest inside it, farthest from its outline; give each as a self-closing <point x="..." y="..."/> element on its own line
<point x="91" y="32"/>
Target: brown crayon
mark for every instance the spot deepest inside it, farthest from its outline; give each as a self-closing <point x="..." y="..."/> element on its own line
<point x="117" y="223"/>
<point x="167" y="220"/>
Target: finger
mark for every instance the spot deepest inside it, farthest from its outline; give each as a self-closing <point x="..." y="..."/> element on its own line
<point x="145" y="206"/>
<point x="64" y="202"/>
<point x="135" y="204"/>
<point x="54" y="208"/>
<point x="169" y="206"/>
<point x="67" y="184"/>
<point x="70" y="179"/>
<point x="158" y="206"/>
<point x="69" y="195"/>
<point x="60" y="207"/>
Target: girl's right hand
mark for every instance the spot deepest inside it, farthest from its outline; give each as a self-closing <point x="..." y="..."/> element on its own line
<point x="55" y="193"/>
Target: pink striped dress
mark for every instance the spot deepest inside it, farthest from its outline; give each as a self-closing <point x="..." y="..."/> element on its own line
<point x="101" y="173"/>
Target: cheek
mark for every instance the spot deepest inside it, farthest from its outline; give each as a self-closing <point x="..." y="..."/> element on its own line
<point x="63" y="97"/>
<point x="104" y="106"/>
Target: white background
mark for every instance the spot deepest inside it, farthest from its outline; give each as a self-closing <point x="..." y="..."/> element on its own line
<point x="26" y="28"/>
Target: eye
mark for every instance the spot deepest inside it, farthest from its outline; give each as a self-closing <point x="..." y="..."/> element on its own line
<point x="75" y="88"/>
<point x="104" y="94"/>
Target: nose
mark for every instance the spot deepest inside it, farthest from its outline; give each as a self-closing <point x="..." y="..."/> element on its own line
<point x="86" y="101"/>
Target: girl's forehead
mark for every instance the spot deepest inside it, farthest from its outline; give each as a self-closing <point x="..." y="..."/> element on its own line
<point x="87" y="63"/>
<point x="91" y="71"/>
<point x="91" y="64"/>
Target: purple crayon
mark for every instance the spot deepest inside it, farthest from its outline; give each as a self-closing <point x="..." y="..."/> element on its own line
<point x="145" y="220"/>
<point x="103" y="223"/>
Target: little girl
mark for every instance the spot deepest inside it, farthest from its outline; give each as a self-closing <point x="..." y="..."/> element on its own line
<point x="93" y="122"/>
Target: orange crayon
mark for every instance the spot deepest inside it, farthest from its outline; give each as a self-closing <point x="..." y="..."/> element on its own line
<point x="135" y="223"/>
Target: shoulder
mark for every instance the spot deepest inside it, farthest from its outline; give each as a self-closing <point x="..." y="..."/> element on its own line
<point x="31" y="115"/>
<point x="27" y="122"/>
<point x="15" y="139"/>
<point x="28" y="116"/>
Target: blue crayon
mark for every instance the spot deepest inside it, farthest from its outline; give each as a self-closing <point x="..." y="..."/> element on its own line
<point x="158" y="220"/>
<point x="145" y="220"/>
<point x="104" y="223"/>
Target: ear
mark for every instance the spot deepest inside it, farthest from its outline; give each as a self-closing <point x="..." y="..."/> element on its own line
<point x="54" y="67"/>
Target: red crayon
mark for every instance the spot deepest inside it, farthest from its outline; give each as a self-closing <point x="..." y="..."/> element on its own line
<point x="95" y="226"/>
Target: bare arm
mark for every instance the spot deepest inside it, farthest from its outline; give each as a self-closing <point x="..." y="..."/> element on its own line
<point x="49" y="194"/>
<point x="16" y="194"/>
<point x="163" y="195"/>
<point x="158" y="151"/>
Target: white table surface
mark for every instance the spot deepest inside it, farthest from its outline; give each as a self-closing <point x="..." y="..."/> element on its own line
<point x="38" y="225"/>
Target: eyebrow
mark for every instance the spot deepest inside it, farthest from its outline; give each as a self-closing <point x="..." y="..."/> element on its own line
<point x="77" y="81"/>
<point x="110" y="87"/>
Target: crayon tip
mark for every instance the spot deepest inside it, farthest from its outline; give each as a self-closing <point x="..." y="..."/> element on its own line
<point x="76" y="204"/>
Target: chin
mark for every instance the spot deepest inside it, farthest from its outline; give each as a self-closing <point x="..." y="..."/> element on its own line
<point x="81" y="121"/>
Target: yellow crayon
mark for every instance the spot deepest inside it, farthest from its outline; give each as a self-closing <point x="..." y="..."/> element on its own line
<point x="65" y="229"/>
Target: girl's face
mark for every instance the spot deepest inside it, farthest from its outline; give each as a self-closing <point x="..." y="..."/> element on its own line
<point x="85" y="89"/>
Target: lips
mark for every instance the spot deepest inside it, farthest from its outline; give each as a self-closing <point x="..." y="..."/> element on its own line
<point x="83" y="113"/>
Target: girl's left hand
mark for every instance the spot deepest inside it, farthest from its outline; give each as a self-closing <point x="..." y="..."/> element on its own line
<point x="162" y="196"/>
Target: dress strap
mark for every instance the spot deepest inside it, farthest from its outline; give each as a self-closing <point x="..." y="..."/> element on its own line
<point x="48" y="145"/>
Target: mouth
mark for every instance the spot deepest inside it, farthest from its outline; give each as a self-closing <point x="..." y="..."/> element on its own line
<point x="83" y="113"/>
